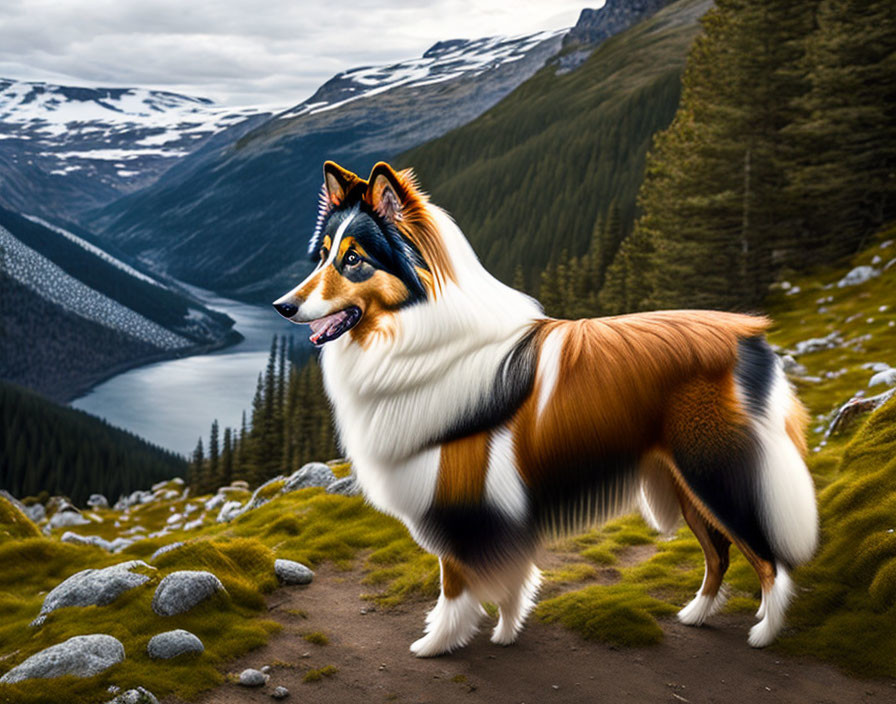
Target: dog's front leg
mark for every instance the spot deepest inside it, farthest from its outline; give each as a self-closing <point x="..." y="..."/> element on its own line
<point x="455" y="618"/>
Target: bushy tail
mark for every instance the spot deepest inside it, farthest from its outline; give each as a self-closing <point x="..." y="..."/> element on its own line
<point x="786" y="493"/>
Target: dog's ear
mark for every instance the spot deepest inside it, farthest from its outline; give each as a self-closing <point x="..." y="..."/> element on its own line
<point x="389" y="193"/>
<point x="338" y="182"/>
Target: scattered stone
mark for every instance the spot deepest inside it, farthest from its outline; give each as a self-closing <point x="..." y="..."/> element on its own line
<point x="252" y="678"/>
<point x="78" y="539"/>
<point x="890" y="264"/>
<point x="95" y="587"/>
<point x="36" y="512"/>
<point x="81" y="656"/>
<point x="181" y="591"/>
<point x="174" y="518"/>
<point x="240" y="484"/>
<point x="876" y="366"/>
<point x="280" y="693"/>
<point x="266" y="669"/>
<point x="857" y="276"/>
<point x="311" y="475"/>
<point x="215" y="502"/>
<point x="292" y="572"/>
<point x="817" y="344"/>
<point x="66" y="517"/>
<point x="135" y="696"/>
<point x="165" y="646"/>
<point x="347" y="486"/>
<point x="263" y="494"/>
<point x="166" y="548"/>
<point x="194" y="524"/>
<point x="229" y="511"/>
<point x="887" y="377"/>
<point x="98" y="501"/>
<point x="792" y="367"/>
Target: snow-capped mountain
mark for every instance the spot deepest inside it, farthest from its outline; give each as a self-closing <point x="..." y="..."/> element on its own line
<point x="444" y="61"/>
<point x="81" y="147"/>
<point x="227" y="216"/>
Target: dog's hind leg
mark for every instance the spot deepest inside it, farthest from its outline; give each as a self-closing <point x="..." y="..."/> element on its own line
<point x="710" y="598"/>
<point x="516" y="606"/>
<point x="455" y="618"/>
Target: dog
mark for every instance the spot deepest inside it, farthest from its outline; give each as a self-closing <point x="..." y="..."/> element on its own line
<point x="486" y="426"/>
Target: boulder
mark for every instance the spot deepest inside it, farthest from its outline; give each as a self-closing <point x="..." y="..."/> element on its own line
<point x="252" y="678"/>
<point x="95" y="587"/>
<point x="280" y="693"/>
<point x="135" y="696"/>
<point x="36" y="512"/>
<point x="857" y="276"/>
<point x="215" y="502"/>
<point x="98" y="501"/>
<point x="347" y="486"/>
<point x="292" y="572"/>
<point x="67" y="517"/>
<point x="81" y="656"/>
<point x="181" y="591"/>
<point x="311" y="475"/>
<point x="170" y="644"/>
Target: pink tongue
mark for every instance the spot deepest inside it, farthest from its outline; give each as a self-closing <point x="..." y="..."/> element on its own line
<point x="321" y="326"/>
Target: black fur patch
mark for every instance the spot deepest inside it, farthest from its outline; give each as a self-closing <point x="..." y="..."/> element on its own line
<point x="724" y="476"/>
<point x="511" y="386"/>
<point x="479" y="536"/>
<point x="755" y="371"/>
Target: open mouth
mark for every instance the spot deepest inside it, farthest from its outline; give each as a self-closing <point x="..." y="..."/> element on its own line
<point x="332" y="326"/>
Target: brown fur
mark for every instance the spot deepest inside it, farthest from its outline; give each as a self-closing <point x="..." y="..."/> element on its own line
<point x="462" y="468"/>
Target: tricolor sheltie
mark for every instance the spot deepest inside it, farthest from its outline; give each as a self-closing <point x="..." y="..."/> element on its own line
<point x="485" y="425"/>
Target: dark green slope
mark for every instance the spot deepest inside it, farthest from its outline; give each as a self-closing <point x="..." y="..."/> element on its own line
<point x="46" y="447"/>
<point x="530" y="178"/>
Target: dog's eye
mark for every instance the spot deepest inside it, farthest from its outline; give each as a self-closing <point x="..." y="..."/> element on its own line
<point x="351" y="258"/>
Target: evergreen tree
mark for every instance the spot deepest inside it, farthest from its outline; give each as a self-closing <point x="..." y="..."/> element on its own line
<point x="212" y="478"/>
<point x="227" y="459"/>
<point x="197" y="468"/>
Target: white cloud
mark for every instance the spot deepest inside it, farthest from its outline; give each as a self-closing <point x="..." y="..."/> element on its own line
<point x="240" y="52"/>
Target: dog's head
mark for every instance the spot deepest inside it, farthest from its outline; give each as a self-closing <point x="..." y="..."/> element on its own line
<point x="377" y="252"/>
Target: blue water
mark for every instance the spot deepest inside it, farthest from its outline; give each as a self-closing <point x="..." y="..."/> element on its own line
<point x="173" y="403"/>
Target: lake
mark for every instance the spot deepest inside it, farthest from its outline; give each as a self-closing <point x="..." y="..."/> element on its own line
<point x="173" y="403"/>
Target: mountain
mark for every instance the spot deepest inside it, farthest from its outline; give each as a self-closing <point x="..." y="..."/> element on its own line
<point x="91" y="313"/>
<point x="88" y="455"/>
<point x="66" y="149"/>
<point x="229" y="217"/>
<point x="536" y="176"/>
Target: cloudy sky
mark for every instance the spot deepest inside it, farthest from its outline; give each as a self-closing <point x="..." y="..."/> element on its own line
<point x="237" y="52"/>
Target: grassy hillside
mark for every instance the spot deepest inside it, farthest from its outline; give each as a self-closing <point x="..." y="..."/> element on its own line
<point x="49" y="448"/>
<point x="532" y="177"/>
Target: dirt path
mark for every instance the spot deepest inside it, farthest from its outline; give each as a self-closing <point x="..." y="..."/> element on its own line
<point x="548" y="663"/>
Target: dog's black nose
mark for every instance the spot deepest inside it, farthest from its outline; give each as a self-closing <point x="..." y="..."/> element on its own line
<point x="287" y="310"/>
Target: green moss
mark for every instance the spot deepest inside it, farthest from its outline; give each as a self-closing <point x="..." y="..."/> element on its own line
<point x="14" y="523"/>
<point x="316" y="637"/>
<point x="271" y="490"/>
<point x="318" y="674"/>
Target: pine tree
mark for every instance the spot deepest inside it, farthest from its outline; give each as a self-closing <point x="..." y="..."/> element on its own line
<point x="212" y="477"/>
<point x="197" y="467"/>
<point x="227" y="458"/>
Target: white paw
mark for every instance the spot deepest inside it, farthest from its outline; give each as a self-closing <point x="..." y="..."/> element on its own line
<point x="428" y="647"/>
<point x="699" y="609"/>
<point x="762" y="634"/>
<point x="504" y="633"/>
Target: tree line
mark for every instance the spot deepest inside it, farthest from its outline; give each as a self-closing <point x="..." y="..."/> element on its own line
<point x="288" y="425"/>
<point x="781" y="156"/>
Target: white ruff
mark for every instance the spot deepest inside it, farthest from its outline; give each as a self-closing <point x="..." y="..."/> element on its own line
<point x="392" y="398"/>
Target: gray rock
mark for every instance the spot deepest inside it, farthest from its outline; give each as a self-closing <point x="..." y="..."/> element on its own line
<point x="252" y="678"/>
<point x="98" y="501"/>
<point x="215" y="502"/>
<point x="257" y="499"/>
<point x="792" y="367"/>
<point x="135" y="696"/>
<point x="166" y="548"/>
<point x="95" y="587"/>
<point x="36" y="512"/>
<point x="66" y="518"/>
<point x="94" y="540"/>
<point x="181" y="591"/>
<point x="81" y="656"/>
<point x="229" y="511"/>
<point x="857" y="276"/>
<point x="169" y="645"/>
<point x="292" y="572"/>
<point x="280" y="693"/>
<point x="347" y="486"/>
<point x="312" y="474"/>
<point x="886" y="377"/>
<point x="817" y="344"/>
